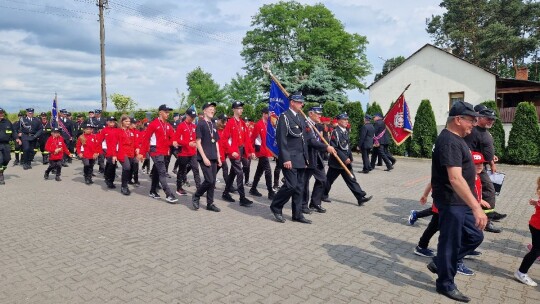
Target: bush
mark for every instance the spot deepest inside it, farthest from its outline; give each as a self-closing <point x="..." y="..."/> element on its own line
<point x="249" y="111"/>
<point x="331" y="109"/>
<point x="356" y="119"/>
<point x="374" y="109"/>
<point x="309" y="105"/>
<point x="523" y="144"/>
<point x="497" y="131"/>
<point x="258" y="110"/>
<point x="424" y="131"/>
<point x="221" y="109"/>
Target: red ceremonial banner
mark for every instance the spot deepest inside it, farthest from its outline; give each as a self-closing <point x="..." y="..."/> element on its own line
<point x="398" y="121"/>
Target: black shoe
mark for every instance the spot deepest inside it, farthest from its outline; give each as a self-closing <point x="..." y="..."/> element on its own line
<point x="393" y="162"/>
<point x="326" y="199"/>
<point x="497" y="216"/>
<point x="279" y="218"/>
<point x="364" y="171"/>
<point x="271" y="195"/>
<point x="234" y="189"/>
<point x="364" y="199"/>
<point x="65" y="165"/>
<point x="432" y="267"/>
<point x="171" y="199"/>
<point x="25" y="167"/>
<point x="46" y="175"/>
<point x="131" y="183"/>
<point x="87" y="180"/>
<point x="154" y="195"/>
<point x="111" y="185"/>
<point x="93" y="175"/>
<point x="302" y="220"/>
<point x="389" y="169"/>
<point x="227" y="197"/>
<point x="491" y="228"/>
<point x="195" y="202"/>
<point x="318" y="208"/>
<point x="213" y="207"/>
<point x="254" y="192"/>
<point x="125" y="191"/>
<point x="245" y="202"/>
<point x="306" y="211"/>
<point x="455" y="294"/>
<point x="58" y="179"/>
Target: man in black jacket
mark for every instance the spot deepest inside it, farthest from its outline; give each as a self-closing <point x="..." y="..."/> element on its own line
<point x="340" y="140"/>
<point x="380" y="143"/>
<point x="30" y="132"/>
<point x="365" y="143"/>
<point x="292" y="140"/>
<point x="315" y="168"/>
<point x="7" y="134"/>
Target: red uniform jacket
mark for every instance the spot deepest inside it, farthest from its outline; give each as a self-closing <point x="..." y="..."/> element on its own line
<point x="185" y="133"/>
<point x="52" y="144"/>
<point x="159" y="134"/>
<point x="90" y="147"/>
<point x="237" y="135"/>
<point x="535" y="218"/>
<point x="258" y="138"/>
<point x="222" y="144"/>
<point x="110" y="136"/>
<point x="126" y="144"/>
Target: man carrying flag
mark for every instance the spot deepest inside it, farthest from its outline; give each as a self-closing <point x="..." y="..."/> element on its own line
<point x="398" y="121"/>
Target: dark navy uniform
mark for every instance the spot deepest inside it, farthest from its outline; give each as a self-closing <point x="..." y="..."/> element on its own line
<point x="66" y="127"/>
<point x="18" y="148"/>
<point x="46" y="127"/>
<point x="7" y="134"/>
<point x="340" y="140"/>
<point x="315" y="168"/>
<point x="381" y="137"/>
<point x="30" y="132"/>
<point x="291" y="140"/>
<point x="365" y="143"/>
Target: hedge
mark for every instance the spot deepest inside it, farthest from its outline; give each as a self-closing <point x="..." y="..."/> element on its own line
<point x="524" y="142"/>
<point x="356" y="119"/>
<point x="331" y="109"/>
<point x="424" y="131"/>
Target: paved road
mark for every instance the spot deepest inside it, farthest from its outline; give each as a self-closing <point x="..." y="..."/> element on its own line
<point x="65" y="242"/>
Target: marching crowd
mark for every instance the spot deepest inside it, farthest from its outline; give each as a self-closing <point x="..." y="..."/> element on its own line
<point x="463" y="194"/>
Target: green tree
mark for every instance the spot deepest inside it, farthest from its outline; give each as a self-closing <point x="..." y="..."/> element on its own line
<point x="331" y="109"/>
<point x="249" y="111"/>
<point x="424" y="131"/>
<point x="389" y="65"/>
<point x="497" y="131"/>
<point x="202" y="88"/>
<point x="373" y="109"/>
<point x="123" y="103"/>
<point x="523" y="142"/>
<point x="244" y="88"/>
<point x="356" y="120"/>
<point x="295" y="37"/>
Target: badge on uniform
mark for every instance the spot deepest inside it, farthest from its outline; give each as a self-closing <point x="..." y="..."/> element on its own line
<point x="213" y="141"/>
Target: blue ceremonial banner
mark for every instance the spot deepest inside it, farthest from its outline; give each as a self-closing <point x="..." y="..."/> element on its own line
<point x="278" y="103"/>
<point x="54" y="113"/>
<point x="194" y="109"/>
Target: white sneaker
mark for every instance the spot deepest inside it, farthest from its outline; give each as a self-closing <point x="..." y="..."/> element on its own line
<point x="524" y="278"/>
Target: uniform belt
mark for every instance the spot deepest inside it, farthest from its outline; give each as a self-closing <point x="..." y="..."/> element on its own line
<point x="152" y="146"/>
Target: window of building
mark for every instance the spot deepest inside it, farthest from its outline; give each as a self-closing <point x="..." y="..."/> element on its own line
<point x="455" y="97"/>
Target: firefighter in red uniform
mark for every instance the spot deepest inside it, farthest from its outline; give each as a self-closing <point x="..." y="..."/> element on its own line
<point x="57" y="148"/>
<point x="258" y="138"/>
<point x="88" y="150"/>
<point x="157" y="140"/>
<point x="126" y="151"/>
<point x="186" y="138"/>
<point x="109" y="136"/>
<point x="238" y="146"/>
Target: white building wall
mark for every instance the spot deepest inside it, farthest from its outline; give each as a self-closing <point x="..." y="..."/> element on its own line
<point x="433" y="74"/>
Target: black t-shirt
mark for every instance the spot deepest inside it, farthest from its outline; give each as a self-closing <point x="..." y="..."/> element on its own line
<point x="452" y="151"/>
<point x="480" y="140"/>
<point x="207" y="131"/>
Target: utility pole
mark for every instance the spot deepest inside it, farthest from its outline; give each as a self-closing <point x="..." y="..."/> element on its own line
<point x="102" y="4"/>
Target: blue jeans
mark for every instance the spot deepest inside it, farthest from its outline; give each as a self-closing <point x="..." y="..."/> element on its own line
<point x="458" y="237"/>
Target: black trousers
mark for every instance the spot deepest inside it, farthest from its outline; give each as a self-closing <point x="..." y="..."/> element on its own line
<point x="365" y="160"/>
<point x="225" y="168"/>
<point x="246" y="166"/>
<point x="101" y="161"/>
<point x="110" y="170"/>
<point x="293" y="187"/>
<point x="353" y="185"/>
<point x="55" y="165"/>
<point x="488" y="190"/>
<point x="318" y="187"/>
<point x="424" y="213"/>
<point x="238" y="173"/>
<point x="388" y="153"/>
<point x="380" y="152"/>
<point x="159" y="175"/>
<point x="5" y="155"/>
<point x="430" y="231"/>
<point x="17" y="150"/>
<point x="531" y="257"/>
<point x="135" y="171"/>
<point x="277" y="172"/>
<point x="263" y="167"/>
<point x="127" y="165"/>
<point x="181" y="176"/>
<point x="28" y="147"/>
<point x="209" y="183"/>
<point x="88" y="168"/>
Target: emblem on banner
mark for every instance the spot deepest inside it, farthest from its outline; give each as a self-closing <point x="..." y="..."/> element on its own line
<point x="399" y="121"/>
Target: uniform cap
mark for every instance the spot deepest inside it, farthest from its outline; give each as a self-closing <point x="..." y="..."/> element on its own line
<point x="91" y="112"/>
<point x="191" y="113"/>
<point x="112" y="118"/>
<point x="298" y="97"/>
<point x="368" y="117"/>
<point x="316" y="109"/>
<point x="2" y="110"/>
<point x="30" y="110"/>
<point x="223" y="117"/>
<point x="98" y="111"/>
<point x="478" y="158"/>
<point x="79" y="115"/>
<point x="63" y="111"/>
<point x="237" y="104"/>
<point x="176" y="114"/>
<point x="480" y="108"/>
<point x="88" y="125"/>
<point x="209" y="104"/>
<point x="462" y="108"/>
<point x="378" y="115"/>
<point x="164" y="107"/>
<point x="43" y="114"/>
<point x="342" y="116"/>
<point x="265" y="110"/>
<point x="55" y="129"/>
<point x="489" y="113"/>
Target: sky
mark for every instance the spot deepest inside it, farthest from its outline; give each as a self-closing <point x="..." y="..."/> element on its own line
<point x="51" y="46"/>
